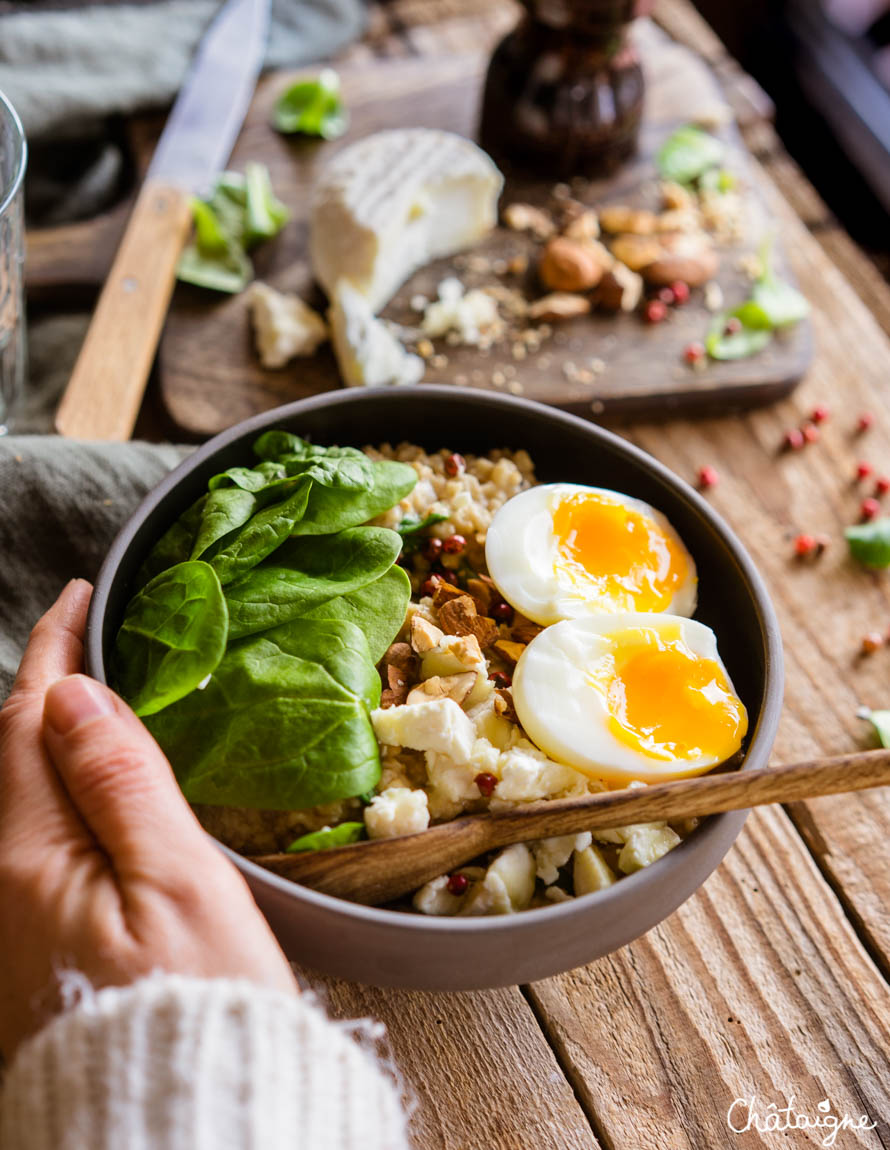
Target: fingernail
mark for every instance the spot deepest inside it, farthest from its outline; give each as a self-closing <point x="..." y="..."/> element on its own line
<point x="73" y="701"/>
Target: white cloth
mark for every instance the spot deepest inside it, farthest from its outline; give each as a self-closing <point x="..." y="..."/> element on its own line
<point x="176" y="1063"/>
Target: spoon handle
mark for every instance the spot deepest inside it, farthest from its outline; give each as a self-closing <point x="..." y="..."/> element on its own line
<point x="385" y="869"/>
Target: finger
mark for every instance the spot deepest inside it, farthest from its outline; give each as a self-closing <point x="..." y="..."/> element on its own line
<point x="55" y="647"/>
<point x="31" y="797"/>
<point x="119" y="780"/>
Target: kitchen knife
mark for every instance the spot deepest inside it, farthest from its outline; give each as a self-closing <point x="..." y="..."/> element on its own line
<point x="105" y="391"/>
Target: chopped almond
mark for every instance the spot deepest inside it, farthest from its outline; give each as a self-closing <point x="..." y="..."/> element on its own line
<point x="528" y="218"/>
<point x="481" y="592"/>
<point x="503" y="704"/>
<point x="459" y="617"/>
<point x="445" y="592"/>
<point x="424" y="634"/>
<point x="399" y="669"/>
<point x="558" y="306"/>
<point x="522" y="629"/>
<point x="509" y="652"/>
<point x="456" y="687"/>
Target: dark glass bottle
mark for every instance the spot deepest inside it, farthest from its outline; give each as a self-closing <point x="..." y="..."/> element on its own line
<point x="564" y="91"/>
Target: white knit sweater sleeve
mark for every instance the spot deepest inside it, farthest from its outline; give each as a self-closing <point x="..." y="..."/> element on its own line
<point x="176" y="1063"/>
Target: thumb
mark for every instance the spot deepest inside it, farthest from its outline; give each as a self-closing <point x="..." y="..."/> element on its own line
<point x="117" y="776"/>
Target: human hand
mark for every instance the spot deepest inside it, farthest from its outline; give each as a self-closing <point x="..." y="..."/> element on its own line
<point x="103" y="866"/>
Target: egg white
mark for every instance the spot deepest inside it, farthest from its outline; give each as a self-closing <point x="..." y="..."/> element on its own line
<point x="521" y="553"/>
<point x="567" y="716"/>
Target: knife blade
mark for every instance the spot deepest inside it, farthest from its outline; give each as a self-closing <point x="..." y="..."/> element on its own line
<point x="104" y="393"/>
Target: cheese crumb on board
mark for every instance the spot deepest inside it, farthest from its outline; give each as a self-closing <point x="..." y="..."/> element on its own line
<point x="368" y="353"/>
<point x="284" y="326"/>
<point x="395" y="201"/>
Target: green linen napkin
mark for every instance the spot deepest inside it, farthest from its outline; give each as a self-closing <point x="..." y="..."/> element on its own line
<point x="63" y="503"/>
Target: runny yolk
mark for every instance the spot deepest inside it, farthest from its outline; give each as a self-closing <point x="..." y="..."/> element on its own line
<point x="666" y="701"/>
<point x="616" y="554"/>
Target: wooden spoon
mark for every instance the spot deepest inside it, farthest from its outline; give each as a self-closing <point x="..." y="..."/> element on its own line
<point x="385" y="869"/>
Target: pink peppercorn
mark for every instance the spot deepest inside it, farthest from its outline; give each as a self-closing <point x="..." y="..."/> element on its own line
<point x="811" y="433"/>
<point x="455" y="464"/>
<point x="457" y="884"/>
<point x="865" y="421"/>
<point x="733" y="326"/>
<point x="694" y="352"/>
<point x="666" y="295"/>
<point x="432" y="549"/>
<point x="882" y="485"/>
<point x="681" y="292"/>
<point x="804" y="545"/>
<point x="486" y="784"/>
<point x="869" y="508"/>
<point x="863" y="470"/>
<point x="819" y="414"/>
<point x="793" y="439"/>
<point x="656" y="311"/>
<point x="500" y="678"/>
<point x="503" y="612"/>
<point x="707" y="477"/>
<point x="454" y="544"/>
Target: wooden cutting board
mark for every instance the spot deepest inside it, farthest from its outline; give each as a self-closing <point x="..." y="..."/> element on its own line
<point x="209" y="373"/>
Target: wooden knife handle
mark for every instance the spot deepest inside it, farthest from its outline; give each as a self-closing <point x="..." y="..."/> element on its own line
<point x="103" y="396"/>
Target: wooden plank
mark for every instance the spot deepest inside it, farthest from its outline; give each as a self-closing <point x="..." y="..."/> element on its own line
<point x="755" y="987"/>
<point x="477" y="1065"/>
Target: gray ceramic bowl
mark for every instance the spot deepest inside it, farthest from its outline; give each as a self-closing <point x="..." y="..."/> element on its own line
<point x="391" y="948"/>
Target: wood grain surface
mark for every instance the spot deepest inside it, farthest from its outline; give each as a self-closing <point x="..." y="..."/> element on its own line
<point x="210" y="376"/>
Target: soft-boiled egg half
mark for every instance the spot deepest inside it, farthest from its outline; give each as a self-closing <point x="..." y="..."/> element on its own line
<point x="629" y="696"/>
<point x="562" y="551"/>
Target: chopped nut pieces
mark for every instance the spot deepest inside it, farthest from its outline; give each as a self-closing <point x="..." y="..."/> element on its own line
<point x="523" y="629"/>
<point x="400" y="667"/>
<point x="445" y="592"/>
<point x="621" y="218"/>
<point x="620" y="289"/>
<point x="481" y="590"/>
<point x="509" y="651"/>
<point x="568" y="266"/>
<point x="637" y="252"/>
<point x="558" y="306"/>
<point x="583" y="227"/>
<point x="456" y="687"/>
<point x="424" y="634"/>
<point x="503" y="704"/>
<point x="690" y="258"/>
<point x="460" y="617"/>
<point x="526" y="218"/>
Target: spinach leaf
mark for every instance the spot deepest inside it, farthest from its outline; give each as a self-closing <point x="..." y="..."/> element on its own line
<point x="312" y="107"/>
<point x="870" y="542"/>
<point x="283" y="723"/>
<point x="378" y="608"/>
<point x="306" y="571"/>
<point x="238" y="552"/>
<point x="228" y="271"/>
<point x="249" y="478"/>
<point x="173" y="636"/>
<point x="780" y="302"/>
<point x="225" y="510"/>
<point x="342" y="468"/>
<point x="274" y="445"/>
<point x="174" y="546"/>
<point x="410" y="525"/>
<point x="880" y="721"/>
<point x="331" y="509"/>
<point x="687" y="154"/>
<point x="722" y="344"/>
<point x="338" y="836"/>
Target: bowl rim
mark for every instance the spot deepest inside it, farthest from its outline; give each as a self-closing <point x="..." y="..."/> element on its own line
<point x="629" y="886"/>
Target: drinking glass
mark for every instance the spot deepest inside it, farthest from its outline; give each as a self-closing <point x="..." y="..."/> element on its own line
<point x="13" y="156"/>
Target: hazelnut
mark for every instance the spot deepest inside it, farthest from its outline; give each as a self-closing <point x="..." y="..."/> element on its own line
<point x="527" y="218"/>
<point x="620" y="289"/>
<point x="557" y="306"/>
<point x="568" y="266"/>
<point x="637" y="251"/>
<point x="621" y="218"/>
<point x="689" y="258"/>
<point x="583" y="227"/>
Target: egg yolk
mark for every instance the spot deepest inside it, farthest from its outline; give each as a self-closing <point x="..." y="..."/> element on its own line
<point x="615" y="553"/>
<point x="666" y="701"/>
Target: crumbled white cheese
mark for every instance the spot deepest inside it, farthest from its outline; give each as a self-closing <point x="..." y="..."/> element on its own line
<point x="451" y="785"/>
<point x="435" y="898"/>
<point x="397" y="811"/>
<point x="551" y="854"/>
<point x="284" y="326"/>
<point x="508" y="886"/>
<point x="645" y="845"/>
<point x="527" y="775"/>
<point x="439" y="725"/>
<point x="471" y="315"/>
<point x="590" y="871"/>
<point x="368" y="353"/>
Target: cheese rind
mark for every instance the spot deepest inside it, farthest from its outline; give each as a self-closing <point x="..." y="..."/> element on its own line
<point x="395" y="201"/>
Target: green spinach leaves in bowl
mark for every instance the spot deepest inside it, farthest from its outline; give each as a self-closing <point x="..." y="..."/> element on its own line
<point x="250" y="647"/>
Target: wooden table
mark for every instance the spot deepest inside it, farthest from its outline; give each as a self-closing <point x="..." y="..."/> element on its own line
<point x="772" y="980"/>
